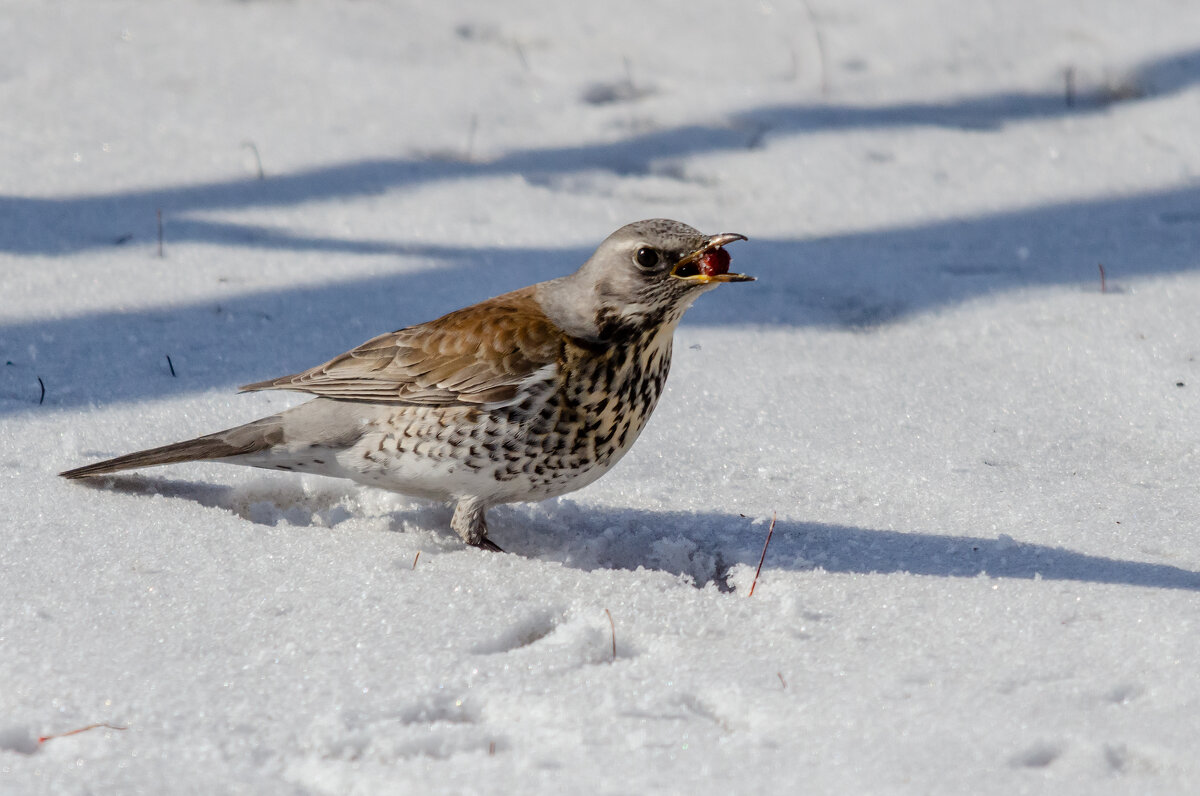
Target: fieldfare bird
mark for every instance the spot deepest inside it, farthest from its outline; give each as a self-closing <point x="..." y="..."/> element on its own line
<point x="522" y="397"/>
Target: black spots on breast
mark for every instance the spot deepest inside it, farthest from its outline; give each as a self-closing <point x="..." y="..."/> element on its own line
<point x="547" y="417"/>
<point x="514" y="466"/>
<point x="610" y="373"/>
<point x="579" y="443"/>
<point x="651" y="362"/>
<point x="603" y="440"/>
<point x="648" y="392"/>
<point x="624" y="434"/>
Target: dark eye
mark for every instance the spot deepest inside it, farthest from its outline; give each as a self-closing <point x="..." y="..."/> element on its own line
<point x="646" y="257"/>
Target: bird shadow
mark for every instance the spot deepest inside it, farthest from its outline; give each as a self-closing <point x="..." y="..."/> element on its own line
<point x="701" y="548"/>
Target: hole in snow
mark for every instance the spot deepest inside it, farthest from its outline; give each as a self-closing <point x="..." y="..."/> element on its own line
<point x="18" y="739"/>
<point x="521" y="634"/>
<point x="1039" y="755"/>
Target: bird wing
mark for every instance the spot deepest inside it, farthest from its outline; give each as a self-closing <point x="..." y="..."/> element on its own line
<point x="479" y="355"/>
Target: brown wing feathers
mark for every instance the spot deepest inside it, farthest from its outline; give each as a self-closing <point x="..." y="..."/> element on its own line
<point x="441" y="362"/>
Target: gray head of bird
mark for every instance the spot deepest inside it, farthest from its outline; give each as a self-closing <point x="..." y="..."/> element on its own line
<point x="644" y="275"/>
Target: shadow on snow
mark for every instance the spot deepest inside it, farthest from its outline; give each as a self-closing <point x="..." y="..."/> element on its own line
<point x="703" y="547"/>
<point x="51" y="226"/>
<point x="855" y="280"/>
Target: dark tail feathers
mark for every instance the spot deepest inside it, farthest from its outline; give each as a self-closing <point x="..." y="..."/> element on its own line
<point x="250" y="438"/>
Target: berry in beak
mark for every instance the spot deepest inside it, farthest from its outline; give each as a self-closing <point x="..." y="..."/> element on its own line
<point x="710" y="263"/>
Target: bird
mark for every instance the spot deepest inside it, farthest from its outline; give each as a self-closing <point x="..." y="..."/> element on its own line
<point x="522" y="397"/>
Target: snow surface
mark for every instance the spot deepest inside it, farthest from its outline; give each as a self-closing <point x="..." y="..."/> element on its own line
<point x="985" y="575"/>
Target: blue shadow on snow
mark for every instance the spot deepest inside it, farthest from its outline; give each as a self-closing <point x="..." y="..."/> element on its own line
<point x="727" y="540"/>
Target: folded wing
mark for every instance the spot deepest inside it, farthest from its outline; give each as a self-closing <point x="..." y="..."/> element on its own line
<point x="484" y="354"/>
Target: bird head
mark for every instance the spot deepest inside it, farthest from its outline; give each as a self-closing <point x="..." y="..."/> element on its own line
<point x="644" y="275"/>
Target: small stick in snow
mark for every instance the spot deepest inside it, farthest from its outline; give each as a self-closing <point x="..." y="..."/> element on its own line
<point x="820" y="39"/>
<point x="492" y="749"/>
<point x="1103" y="286"/>
<point x="41" y="384"/>
<point x="763" y="557"/>
<point x="417" y="556"/>
<point x="158" y="217"/>
<point x="613" y="625"/>
<point x="780" y="676"/>
<point x="171" y="365"/>
<point x="1069" y="82"/>
<point x="257" y="158"/>
<point x="520" y="51"/>
<point x="43" y="738"/>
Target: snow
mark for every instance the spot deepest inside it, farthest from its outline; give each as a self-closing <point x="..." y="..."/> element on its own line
<point x="985" y="569"/>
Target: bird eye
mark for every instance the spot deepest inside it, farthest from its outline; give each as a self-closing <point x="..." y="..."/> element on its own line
<point x="646" y="257"/>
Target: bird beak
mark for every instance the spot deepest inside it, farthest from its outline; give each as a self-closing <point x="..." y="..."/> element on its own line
<point x="710" y="263"/>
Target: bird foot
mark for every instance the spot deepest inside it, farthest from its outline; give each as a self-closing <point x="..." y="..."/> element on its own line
<point x="487" y="544"/>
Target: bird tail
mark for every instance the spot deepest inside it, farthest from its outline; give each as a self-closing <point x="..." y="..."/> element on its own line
<point x="250" y="438"/>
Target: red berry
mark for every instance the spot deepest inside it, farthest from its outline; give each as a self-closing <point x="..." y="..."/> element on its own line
<point x="715" y="263"/>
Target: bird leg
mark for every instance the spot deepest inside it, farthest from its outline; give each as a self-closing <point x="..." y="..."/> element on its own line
<point x="470" y="523"/>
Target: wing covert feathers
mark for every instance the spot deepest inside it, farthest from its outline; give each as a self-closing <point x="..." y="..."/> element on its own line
<point x="479" y="355"/>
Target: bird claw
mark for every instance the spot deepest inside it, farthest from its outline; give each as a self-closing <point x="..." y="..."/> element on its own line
<point x="487" y="544"/>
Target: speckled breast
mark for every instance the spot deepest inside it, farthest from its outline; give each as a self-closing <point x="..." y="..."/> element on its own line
<point x="574" y="433"/>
